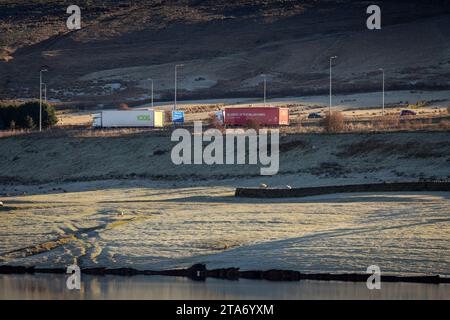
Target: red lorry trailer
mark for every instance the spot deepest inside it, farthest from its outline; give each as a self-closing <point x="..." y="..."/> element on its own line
<point x="269" y="116"/>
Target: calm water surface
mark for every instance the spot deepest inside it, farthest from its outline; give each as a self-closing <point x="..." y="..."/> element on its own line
<point x="44" y="286"/>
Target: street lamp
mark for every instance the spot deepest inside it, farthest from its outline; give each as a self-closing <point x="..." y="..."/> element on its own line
<point x="149" y="79"/>
<point x="331" y="59"/>
<point x="45" y="92"/>
<point x="382" y="70"/>
<point x="265" y="87"/>
<point x="43" y="69"/>
<point x="175" y="100"/>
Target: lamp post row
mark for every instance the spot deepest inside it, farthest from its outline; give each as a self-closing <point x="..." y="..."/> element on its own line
<point x="45" y="69"/>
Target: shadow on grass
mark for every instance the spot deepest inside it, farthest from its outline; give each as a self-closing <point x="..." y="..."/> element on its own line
<point x="401" y="197"/>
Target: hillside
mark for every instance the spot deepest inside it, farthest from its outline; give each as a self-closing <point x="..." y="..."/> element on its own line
<point x="305" y="159"/>
<point x="118" y="201"/>
<point x="225" y="46"/>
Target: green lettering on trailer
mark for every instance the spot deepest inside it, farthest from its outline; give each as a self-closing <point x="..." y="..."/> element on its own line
<point x="143" y="118"/>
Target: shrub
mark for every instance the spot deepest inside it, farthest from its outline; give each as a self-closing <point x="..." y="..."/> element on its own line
<point x="167" y="116"/>
<point x="444" y="125"/>
<point x="31" y="109"/>
<point x="7" y="116"/>
<point x="26" y="115"/>
<point x="333" y="122"/>
<point x="29" y="122"/>
<point x="253" y="124"/>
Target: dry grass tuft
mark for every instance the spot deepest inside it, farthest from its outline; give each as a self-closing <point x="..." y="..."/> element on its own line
<point x="334" y="122"/>
<point x="444" y="125"/>
<point x="387" y="122"/>
<point x="214" y="123"/>
<point x="85" y="132"/>
<point x="13" y="133"/>
<point x="168" y="117"/>
<point x="201" y="108"/>
<point x="252" y="124"/>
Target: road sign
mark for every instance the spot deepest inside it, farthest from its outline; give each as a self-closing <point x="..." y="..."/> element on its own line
<point x="177" y="116"/>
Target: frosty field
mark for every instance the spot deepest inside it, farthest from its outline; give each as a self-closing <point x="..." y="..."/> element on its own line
<point x="149" y="225"/>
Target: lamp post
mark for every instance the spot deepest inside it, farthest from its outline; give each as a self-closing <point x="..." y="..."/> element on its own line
<point x="175" y="100"/>
<point x="45" y="92"/>
<point x="382" y="70"/>
<point x="331" y="83"/>
<point x="151" y="89"/>
<point x="265" y="88"/>
<point x="43" y="69"/>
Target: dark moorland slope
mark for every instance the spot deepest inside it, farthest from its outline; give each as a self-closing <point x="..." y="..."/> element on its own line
<point x="225" y="45"/>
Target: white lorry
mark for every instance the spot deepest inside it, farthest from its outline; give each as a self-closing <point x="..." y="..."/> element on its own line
<point x="128" y="118"/>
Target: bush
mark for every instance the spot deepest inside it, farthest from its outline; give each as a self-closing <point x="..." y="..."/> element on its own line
<point x="214" y="123"/>
<point x="444" y="125"/>
<point x="31" y="109"/>
<point x="7" y="116"/>
<point x="26" y="116"/>
<point x="167" y="116"/>
<point x="253" y="124"/>
<point x="29" y="122"/>
<point x="333" y="122"/>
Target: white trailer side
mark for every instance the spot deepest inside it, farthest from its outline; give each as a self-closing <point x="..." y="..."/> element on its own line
<point x="127" y="118"/>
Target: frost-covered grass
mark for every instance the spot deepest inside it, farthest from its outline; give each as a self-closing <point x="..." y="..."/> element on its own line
<point x="163" y="228"/>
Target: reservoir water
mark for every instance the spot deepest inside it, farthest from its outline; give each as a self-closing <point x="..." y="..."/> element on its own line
<point x="46" y="286"/>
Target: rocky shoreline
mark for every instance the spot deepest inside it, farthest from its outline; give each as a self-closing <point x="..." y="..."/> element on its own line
<point x="199" y="272"/>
